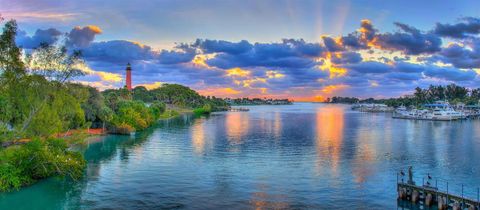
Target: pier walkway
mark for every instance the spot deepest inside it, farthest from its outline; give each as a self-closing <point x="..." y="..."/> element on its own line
<point x="430" y="195"/>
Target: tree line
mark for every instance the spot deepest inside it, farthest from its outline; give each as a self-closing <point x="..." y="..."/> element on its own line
<point x="452" y="93"/>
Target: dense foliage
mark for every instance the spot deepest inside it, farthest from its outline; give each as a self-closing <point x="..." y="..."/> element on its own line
<point x="38" y="159"/>
<point x="172" y="94"/>
<point x="206" y="109"/>
<point x="452" y="93"/>
<point x="38" y="101"/>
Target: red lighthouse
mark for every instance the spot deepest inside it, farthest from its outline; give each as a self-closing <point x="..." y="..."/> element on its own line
<point x="129" y="77"/>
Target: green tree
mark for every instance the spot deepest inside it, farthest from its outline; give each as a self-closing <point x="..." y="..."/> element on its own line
<point x="55" y="63"/>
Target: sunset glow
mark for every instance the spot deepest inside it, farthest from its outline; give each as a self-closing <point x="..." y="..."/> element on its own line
<point x="359" y="53"/>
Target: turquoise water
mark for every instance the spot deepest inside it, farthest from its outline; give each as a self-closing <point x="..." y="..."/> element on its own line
<point x="302" y="156"/>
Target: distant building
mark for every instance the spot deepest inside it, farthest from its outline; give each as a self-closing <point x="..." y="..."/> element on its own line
<point x="129" y="77"/>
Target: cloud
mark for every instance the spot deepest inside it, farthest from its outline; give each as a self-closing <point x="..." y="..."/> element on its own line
<point x="221" y="46"/>
<point x="410" y="41"/>
<point x="282" y="55"/>
<point x="360" y="39"/>
<point x="469" y="26"/>
<point x="346" y="58"/>
<point x="47" y="36"/>
<point x="404" y="76"/>
<point x="331" y="44"/>
<point x="304" y="48"/>
<point x="449" y="73"/>
<point x="118" y="51"/>
<point x="369" y="67"/>
<point x="220" y="92"/>
<point x="461" y="56"/>
<point x="40" y="16"/>
<point x="331" y="88"/>
<point x="151" y="86"/>
<point x="82" y="37"/>
<point x="364" y="63"/>
<point x="408" y="67"/>
<point x="176" y="57"/>
<point x="238" y="72"/>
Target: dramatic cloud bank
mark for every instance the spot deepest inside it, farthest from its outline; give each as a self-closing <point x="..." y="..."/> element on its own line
<point x="364" y="63"/>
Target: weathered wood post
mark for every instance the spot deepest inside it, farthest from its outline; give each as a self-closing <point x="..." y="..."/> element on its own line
<point x="441" y="203"/>
<point x="415" y="196"/>
<point x="410" y="176"/>
<point x="428" y="199"/>
<point x="456" y="206"/>
<point x="448" y="201"/>
<point x="478" y="197"/>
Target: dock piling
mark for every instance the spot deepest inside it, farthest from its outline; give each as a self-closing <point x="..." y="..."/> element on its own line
<point x="447" y="192"/>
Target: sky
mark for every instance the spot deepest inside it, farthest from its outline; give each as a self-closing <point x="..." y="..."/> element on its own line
<point x="304" y="50"/>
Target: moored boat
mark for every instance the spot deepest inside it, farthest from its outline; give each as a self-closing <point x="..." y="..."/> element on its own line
<point x="440" y="111"/>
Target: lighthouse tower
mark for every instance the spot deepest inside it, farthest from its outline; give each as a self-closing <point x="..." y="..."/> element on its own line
<point x="129" y="77"/>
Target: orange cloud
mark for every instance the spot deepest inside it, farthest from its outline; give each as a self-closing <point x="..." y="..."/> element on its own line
<point x="334" y="70"/>
<point x="93" y="28"/>
<point x="150" y="86"/>
<point x="274" y="75"/>
<point x="249" y="82"/>
<point x="201" y="60"/>
<point x="238" y="72"/>
<point x="105" y="76"/>
<point x="219" y="92"/>
<point x="331" y="88"/>
<point x="100" y="85"/>
<point x="110" y="77"/>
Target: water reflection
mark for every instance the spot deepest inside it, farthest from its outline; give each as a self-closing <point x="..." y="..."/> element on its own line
<point x="263" y="198"/>
<point x="329" y="137"/>
<point x="237" y="125"/>
<point x="198" y="137"/>
<point x="305" y="156"/>
<point x="277" y="125"/>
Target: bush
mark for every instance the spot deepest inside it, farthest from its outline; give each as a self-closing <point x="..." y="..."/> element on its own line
<point x="133" y="113"/>
<point x="123" y="129"/>
<point x="157" y="108"/>
<point x="206" y="109"/>
<point x="38" y="159"/>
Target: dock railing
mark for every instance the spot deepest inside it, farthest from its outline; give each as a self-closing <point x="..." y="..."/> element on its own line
<point x="452" y="195"/>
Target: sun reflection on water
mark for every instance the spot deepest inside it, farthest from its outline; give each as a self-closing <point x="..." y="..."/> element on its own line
<point x="329" y="137"/>
<point x="237" y="126"/>
<point x="198" y="137"/>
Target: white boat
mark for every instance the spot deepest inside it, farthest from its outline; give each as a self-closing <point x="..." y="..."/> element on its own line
<point x="440" y="110"/>
<point x="443" y="111"/>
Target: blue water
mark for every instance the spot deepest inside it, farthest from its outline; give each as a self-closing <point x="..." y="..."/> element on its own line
<point x="302" y="156"/>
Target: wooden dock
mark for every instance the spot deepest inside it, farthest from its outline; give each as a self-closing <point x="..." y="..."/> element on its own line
<point x="432" y="196"/>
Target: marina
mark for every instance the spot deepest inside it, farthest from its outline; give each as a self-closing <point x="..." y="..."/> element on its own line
<point x="438" y="111"/>
<point x="372" y="108"/>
